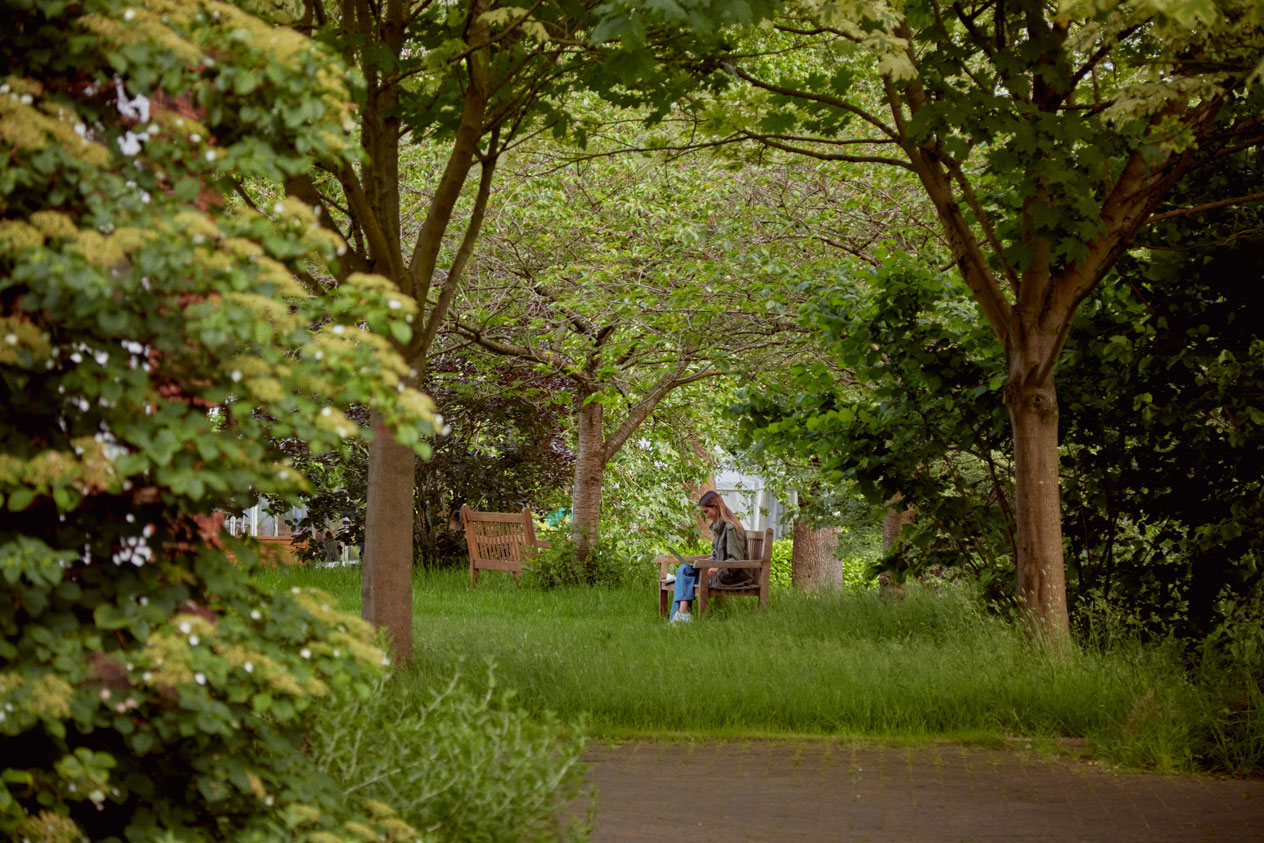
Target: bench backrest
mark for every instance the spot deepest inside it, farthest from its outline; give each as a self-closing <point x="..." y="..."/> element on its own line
<point x="755" y="545"/>
<point x="498" y="541"/>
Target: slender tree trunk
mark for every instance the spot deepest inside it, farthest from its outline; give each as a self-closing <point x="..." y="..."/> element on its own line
<point x="893" y="522"/>
<point x="813" y="566"/>
<point x="387" y="589"/>
<point x="590" y="467"/>
<point x="1041" y="586"/>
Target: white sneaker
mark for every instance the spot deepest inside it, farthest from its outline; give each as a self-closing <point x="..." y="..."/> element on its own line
<point x="669" y="579"/>
<point x="680" y="617"/>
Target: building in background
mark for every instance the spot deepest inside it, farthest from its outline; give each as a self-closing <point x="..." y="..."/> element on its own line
<point x="750" y="499"/>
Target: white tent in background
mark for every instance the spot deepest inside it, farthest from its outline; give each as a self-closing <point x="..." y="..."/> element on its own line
<point x="752" y="502"/>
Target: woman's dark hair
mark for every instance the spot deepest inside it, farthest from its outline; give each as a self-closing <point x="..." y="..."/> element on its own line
<point x="712" y="498"/>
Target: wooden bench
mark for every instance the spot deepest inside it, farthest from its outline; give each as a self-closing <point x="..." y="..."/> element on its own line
<point x="499" y="541"/>
<point x="760" y="549"/>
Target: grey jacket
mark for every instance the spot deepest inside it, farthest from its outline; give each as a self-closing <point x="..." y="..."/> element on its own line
<point x="728" y="543"/>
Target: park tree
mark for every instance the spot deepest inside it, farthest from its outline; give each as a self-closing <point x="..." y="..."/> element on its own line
<point x="631" y="277"/>
<point x="1045" y="136"/>
<point x="1160" y="429"/>
<point x="153" y="343"/>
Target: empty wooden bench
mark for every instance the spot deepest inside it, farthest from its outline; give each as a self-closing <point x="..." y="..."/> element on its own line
<point x="499" y="541"/>
<point x="758" y="546"/>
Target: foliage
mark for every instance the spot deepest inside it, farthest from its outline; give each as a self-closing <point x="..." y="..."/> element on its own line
<point x="1045" y="136"/>
<point x="1165" y="419"/>
<point x="153" y="340"/>
<point x="464" y="764"/>
<point x="562" y="565"/>
<point x="501" y="449"/>
<point x="1160" y="375"/>
<point x="856" y="568"/>
<point x="896" y="410"/>
<point x="1230" y="667"/>
<point x="668" y="275"/>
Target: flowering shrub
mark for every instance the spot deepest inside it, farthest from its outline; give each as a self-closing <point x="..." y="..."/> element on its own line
<point x="152" y="339"/>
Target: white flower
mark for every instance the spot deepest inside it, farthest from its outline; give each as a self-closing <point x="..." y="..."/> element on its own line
<point x="255" y="614"/>
<point x="278" y="208"/>
<point x="195" y="138"/>
<point x="235" y="375"/>
<point x="185" y="628"/>
<point x="394" y="304"/>
<point x="193" y="640"/>
<point x="249" y="667"/>
<point x="129" y="14"/>
<point x="305" y="653"/>
<point x="199" y="678"/>
<point x="337" y="329"/>
<point x="210" y="155"/>
<point x="326" y="411"/>
<point x="11" y="339"/>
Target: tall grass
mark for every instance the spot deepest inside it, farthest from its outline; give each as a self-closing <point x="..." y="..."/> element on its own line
<point x="848" y="663"/>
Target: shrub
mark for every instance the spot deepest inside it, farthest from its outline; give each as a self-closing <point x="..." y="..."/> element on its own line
<point x="152" y="338"/>
<point x="465" y="766"/>
<point x="607" y="565"/>
<point x="1231" y="671"/>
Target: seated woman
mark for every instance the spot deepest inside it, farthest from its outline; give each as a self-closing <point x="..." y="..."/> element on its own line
<point x="728" y="542"/>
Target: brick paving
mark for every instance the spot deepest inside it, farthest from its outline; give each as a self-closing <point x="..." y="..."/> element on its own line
<point x="828" y="791"/>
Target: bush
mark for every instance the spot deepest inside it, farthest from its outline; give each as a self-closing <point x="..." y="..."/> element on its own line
<point x="154" y="337"/>
<point x="1231" y="671"/>
<point x="560" y="566"/>
<point x="464" y="766"/>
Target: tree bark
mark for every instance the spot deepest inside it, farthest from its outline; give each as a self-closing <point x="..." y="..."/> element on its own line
<point x="892" y="523"/>
<point x="590" y="467"/>
<point x="813" y="566"/>
<point x="387" y="589"/>
<point x="1041" y="585"/>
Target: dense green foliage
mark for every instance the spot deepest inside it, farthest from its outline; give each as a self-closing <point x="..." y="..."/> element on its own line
<point x="1160" y="431"/>
<point x="501" y="448"/>
<point x="151" y="341"/>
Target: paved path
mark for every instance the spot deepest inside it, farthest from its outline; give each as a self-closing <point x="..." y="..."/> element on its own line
<point x="823" y="791"/>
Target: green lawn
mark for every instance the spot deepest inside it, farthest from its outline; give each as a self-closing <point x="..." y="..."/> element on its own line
<point x="849" y="664"/>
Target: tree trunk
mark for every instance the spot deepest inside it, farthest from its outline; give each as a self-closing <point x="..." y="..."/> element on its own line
<point x="892" y="523"/>
<point x="590" y="467"/>
<point x="812" y="563"/>
<point x="1041" y="586"/>
<point x="387" y="589"/>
